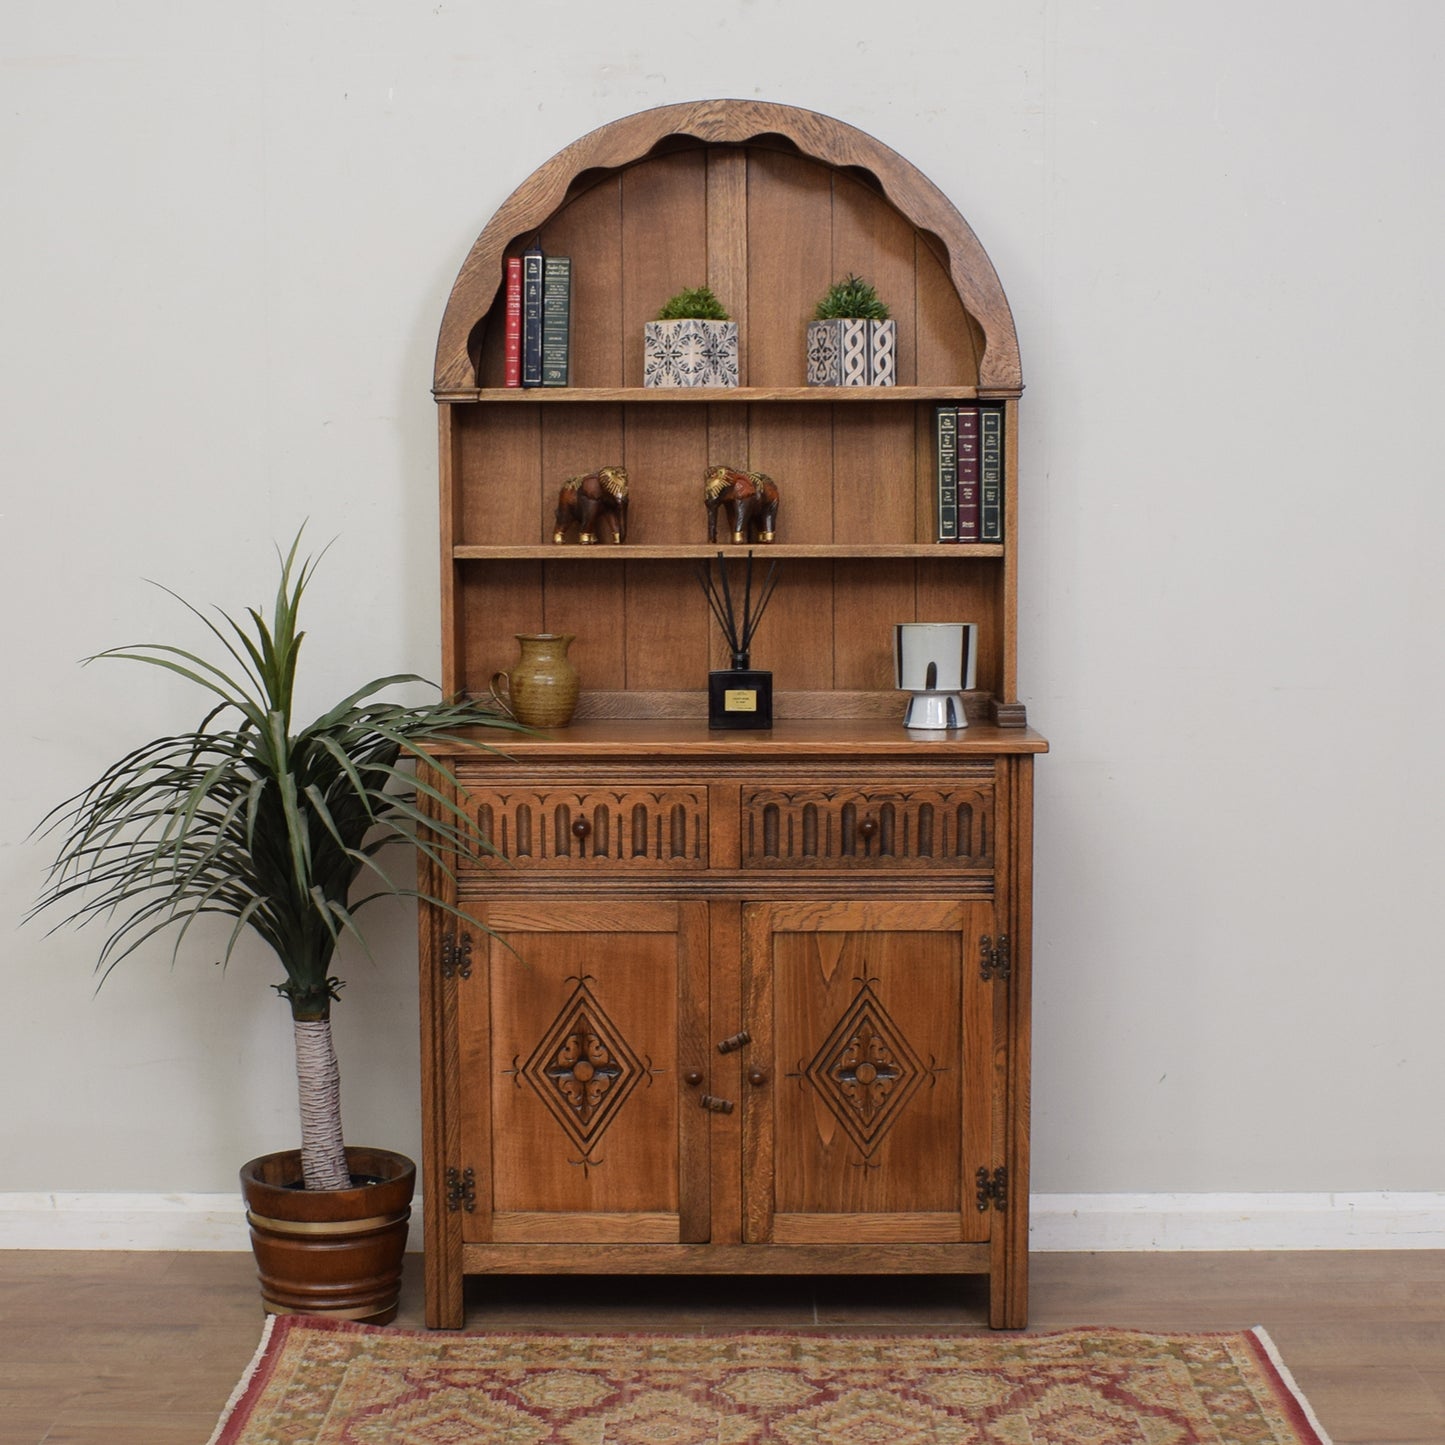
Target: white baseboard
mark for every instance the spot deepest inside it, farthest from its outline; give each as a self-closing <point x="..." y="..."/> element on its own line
<point x="1059" y="1222"/>
<point x="123" y="1221"/>
<point x="1104" y="1222"/>
<point x="135" y="1221"/>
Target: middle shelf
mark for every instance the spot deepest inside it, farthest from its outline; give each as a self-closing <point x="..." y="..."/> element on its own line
<point x="702" y="551"/>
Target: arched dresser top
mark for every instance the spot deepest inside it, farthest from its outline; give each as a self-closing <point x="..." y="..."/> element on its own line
<point x="828" y="142"/>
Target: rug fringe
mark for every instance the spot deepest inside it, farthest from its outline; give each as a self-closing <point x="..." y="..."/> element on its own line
<point x="239" y="1393"/>
<point x="1288" y="1380"/>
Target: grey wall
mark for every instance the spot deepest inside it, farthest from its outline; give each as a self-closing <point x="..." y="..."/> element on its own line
<point x="229" y="233"/>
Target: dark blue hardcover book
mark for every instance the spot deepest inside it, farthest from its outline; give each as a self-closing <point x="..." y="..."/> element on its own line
<point x="532" y="317"/>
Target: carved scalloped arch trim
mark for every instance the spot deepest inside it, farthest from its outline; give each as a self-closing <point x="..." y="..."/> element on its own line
<point x="730" y="122"/>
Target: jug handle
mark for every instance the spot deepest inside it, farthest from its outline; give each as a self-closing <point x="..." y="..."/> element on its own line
<point x="502" y="702"/>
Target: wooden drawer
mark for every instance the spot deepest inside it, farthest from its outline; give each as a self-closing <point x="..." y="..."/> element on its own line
<point x="566" y="829"/>
<point x="917" y="826"/>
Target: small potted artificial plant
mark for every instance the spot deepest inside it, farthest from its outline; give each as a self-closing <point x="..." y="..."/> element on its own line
<point x="851" y="340"/>
<point x="692" y="343"/>
<point x="270" y="824"/>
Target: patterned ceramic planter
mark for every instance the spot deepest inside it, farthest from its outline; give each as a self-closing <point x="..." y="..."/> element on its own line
<point x="690" y="352"/>
<point x="852" y="353"/>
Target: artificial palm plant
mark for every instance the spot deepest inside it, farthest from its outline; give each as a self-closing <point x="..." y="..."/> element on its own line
<point x="268" y="826"/>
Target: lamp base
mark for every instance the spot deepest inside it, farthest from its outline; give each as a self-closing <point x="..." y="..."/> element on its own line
<point x="739" y="698"/>
<point x="936" y="710"/>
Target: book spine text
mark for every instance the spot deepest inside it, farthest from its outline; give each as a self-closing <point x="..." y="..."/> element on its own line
<point x="532" y="317"/>
<point x="968" y="474"/>
<point x="946" y="435"/>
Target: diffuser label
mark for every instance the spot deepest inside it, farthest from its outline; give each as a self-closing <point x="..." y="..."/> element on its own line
<point x="740" y="699"/>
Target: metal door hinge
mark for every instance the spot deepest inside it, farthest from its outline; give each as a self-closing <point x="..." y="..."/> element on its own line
<point x="993" y="958"/>
<point x="461" y="1190"/>
<point x="457" y="956"/>
<point x="992" y="1188"/>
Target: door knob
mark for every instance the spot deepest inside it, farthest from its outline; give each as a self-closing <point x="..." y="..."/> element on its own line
<point x="757" y="1078"/>
<point x="692" y="1078"/>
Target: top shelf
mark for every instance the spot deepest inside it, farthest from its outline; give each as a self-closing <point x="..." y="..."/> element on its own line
<point x="734" y="395"/>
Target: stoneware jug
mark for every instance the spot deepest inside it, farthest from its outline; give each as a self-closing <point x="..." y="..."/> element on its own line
<point x="541" y="688"/>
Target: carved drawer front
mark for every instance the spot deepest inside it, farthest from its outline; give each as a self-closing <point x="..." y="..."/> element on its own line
<point x="917" y="826"/>
<point x="571" y="829"/>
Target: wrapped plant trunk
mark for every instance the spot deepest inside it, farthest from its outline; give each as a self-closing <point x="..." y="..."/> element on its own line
<point x="318" y="1086"/>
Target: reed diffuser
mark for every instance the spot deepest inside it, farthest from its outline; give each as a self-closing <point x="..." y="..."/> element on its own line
<point x="739" y="696"/>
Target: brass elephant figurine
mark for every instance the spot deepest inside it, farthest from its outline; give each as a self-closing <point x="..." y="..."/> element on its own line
<point x="751" y="499"/>
<point x="584" y="499"/>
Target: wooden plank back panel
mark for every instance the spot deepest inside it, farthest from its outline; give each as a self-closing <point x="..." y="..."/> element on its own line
<point x="666" y="451"/>
<point x="664" y="242"/>
<point x="794" y="446"/>
<point x="590" y="604"/>
<point x="867" y="601"/>
<point x="667" y="628"/>
<point x="948" y="342"/>
<point x="498" y="600"/>
<point x="795" y="641"/>
<point x="949" y="591"/>
<point x="589" y="229"/>
<point x="871" y="240"/>
<point x="727" y="239"/>
<point x="499" y="454"/>
<point x="925" y="472"/>
<point x="874" y="465"/>
<point x="790" y="219"/>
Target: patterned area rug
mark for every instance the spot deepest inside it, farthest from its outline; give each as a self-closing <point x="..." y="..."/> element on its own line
<point x="317" y="1382"/>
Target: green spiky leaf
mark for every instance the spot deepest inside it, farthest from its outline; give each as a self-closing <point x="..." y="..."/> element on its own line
<point x="249" y="817"/>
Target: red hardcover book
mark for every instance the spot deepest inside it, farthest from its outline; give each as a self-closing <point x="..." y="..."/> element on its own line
<point x="512" y="336"/>
<point x="968" y="474"/>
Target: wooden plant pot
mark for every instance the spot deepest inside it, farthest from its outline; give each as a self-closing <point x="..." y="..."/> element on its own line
<point x="330" y="1252"/>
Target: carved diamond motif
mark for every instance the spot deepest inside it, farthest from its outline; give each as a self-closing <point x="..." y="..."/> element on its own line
<point x="866" y="1071"/>
<point x="583" y="1070"/>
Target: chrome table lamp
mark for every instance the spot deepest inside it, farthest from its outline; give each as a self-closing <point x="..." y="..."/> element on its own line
<point x="935" y="662"/>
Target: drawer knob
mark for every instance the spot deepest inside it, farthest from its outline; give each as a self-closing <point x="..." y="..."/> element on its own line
<point x="581" y="828"/>
<point x="728" y="1046"/>
<point x="716" y="1106"/>
<point x="757" y="1078"/>
<point x="692" y="1078"/>
<point x="867" y="828"/>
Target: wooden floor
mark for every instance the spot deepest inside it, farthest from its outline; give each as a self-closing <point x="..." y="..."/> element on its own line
<point x="143" y="1349"/>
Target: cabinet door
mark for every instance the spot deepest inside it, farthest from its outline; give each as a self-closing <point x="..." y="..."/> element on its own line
<point x="573" y="1044"/>
<point x="871" y="1069"/>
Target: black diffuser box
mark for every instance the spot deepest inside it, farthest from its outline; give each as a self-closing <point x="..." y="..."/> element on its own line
<point x="739" y="698"/>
